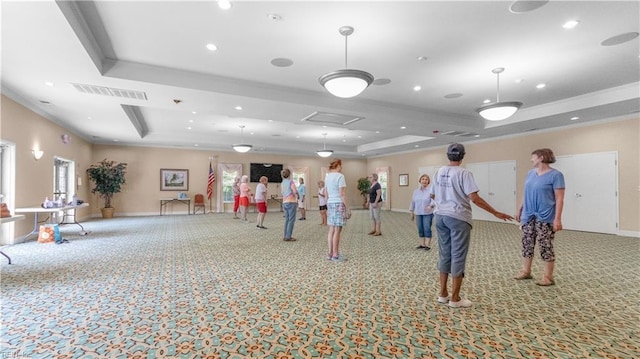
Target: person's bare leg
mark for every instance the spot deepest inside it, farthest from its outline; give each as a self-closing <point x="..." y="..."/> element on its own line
<point x="336" y="241"/>
<point x="456" y="283"/>
<point x="330" y="240"/>
<point x="443" y="284"/>
<point x="548" y="271"/>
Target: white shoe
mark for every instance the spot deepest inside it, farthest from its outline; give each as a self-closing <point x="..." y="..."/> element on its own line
<point x="444" y="300"/>
<point x="463" y="303"/>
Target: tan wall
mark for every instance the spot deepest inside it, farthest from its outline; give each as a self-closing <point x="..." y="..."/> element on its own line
<point x="34" y="179"/>
<point x="142" y="191"/>
<point x="621" y="136"/>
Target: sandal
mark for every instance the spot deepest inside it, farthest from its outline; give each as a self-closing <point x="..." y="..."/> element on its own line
<point x="545" y="282"/>
<point x="523" y="276"/>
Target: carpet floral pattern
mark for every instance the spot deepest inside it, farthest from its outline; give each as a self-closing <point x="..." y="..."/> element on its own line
<point x="208" y="286"/>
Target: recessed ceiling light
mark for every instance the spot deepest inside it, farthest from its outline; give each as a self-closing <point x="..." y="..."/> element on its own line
<point x="193" y="112"/>
<point x="574" y="118"/>
<point x="190" y="121"/>
<point x="541" y="86"/>
<point x="89" y="118"/>
<point x="50" y="84"/>
<point x="224" y="4"/>
<point x="196" y="145"/>
<point x="212" y="47"/>
<point x="571" y="24"/>
<point x="359" y="136"/>
<point x="416" y="146"/>
<point x="188" y="128"/>
<point x="519" y="81"/>
<point x="344" y="140"/>
<point x="486" y="101"/>
<point x="476" y="136"/>
<point x="422" y="58"/>
<point x="238" y="108"/>
<point x="297" y="136"/>
<point x="417" y="88"/>
<point x="403" y="127"/>
<point x="116" y="140"/>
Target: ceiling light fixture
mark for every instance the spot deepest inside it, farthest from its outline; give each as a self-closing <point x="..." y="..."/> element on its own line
<point x="324" y="152"/>
<point x="347" y="82"/>
<point x="242" y="148"/>
<point x="498" y="111"/>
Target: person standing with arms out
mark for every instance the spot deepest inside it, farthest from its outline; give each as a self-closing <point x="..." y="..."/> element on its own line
<point x="322" y="202"/>
<point x="421" y="209"/>
<point x="336" y="206"/>
<point x="261" y="201"/>
<point x="289" y="204"/>
<point x="374" y="199"/>
<point x="245" y="194"/>
<point x="236" y="196"/>
<point x="540" y="213"/>
<point x="302" y="190"/>
<point x="454" y="189"/>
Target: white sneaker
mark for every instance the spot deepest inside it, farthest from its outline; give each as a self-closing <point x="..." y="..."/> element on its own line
<point x="463" y="303"/>
<point x="444" y="300"/>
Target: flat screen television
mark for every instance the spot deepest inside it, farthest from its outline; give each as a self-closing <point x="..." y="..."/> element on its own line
<point x="271" y="170"/>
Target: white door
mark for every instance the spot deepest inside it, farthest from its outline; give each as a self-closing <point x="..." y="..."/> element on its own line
<point x="497" y="184"/>
<point x="591" y="192"/>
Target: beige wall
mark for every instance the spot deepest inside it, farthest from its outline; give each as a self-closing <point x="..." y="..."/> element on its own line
<point x="34" y="179"/>
<point x="142" y="191"/>
<point x="621" y="136"/>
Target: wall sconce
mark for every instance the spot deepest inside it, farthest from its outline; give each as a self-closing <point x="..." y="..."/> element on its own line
<point x="37" y="154"/>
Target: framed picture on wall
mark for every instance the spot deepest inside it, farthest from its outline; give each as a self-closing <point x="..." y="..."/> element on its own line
<point x="404" y="179"/>
<point x="174" y="180"/>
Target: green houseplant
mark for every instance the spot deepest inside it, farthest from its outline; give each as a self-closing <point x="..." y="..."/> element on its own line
<point x="108" y="177"/>
<point x="363" y="186"/>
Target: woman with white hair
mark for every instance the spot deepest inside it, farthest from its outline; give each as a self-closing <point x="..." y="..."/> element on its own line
<point x="245" y="193"/>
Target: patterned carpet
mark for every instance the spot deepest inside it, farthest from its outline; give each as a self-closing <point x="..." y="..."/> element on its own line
<point x="208" y="286"/>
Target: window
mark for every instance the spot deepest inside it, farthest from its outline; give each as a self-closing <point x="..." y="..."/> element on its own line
<point x="63" y="179"/>
<point x="229" y="173"/>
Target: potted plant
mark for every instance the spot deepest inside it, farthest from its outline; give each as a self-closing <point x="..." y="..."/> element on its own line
<point x="363" y="186"/>
<point x="108" y="177"/>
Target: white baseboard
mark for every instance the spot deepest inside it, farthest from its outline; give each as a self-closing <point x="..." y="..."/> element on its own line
<point x="629" y="234"/>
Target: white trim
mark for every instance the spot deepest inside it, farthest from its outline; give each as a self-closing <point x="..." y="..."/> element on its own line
<point x="635" y="234"/>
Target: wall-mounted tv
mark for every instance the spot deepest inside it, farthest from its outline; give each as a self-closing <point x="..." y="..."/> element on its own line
<point x="271" y="170"/>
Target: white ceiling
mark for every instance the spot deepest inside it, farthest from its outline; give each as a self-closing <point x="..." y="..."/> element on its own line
<point x="158" y="48"/>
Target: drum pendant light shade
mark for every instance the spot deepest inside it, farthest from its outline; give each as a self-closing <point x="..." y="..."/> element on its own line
<point x="346" y="83"/>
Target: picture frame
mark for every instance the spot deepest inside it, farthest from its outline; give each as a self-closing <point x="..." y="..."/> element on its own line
<point x="403" y="180"/>
<point x="174" y="179"/>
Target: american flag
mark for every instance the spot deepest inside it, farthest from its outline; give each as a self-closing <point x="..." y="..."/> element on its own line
<point x="210" y="181"/>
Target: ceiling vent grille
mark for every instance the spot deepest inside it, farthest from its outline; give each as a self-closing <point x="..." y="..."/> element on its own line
<point x="108" y="91"/>
<point x="334" y="119"/>
<point x="459" y="134"/>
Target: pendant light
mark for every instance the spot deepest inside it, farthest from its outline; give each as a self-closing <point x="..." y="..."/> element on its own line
<point x="242" y="148"/>
<point x="346" y="83"/>
<point x="498" y="111"/>
<point x="324" y="152"/>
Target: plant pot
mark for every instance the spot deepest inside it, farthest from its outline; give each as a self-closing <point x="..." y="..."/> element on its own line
<point x="107" y="212"/>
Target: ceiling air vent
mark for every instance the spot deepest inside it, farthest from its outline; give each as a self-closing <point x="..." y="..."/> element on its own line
<point x="459" y="134"/>
<point x="334" y="119"/>
<point x="108" y="91"/>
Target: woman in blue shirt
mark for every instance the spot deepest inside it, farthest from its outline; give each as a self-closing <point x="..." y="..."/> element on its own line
<point x="541" y="213"/>
<point x="421" y="209"/>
